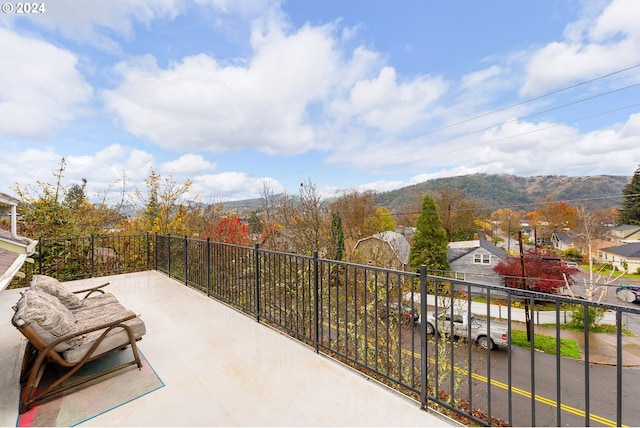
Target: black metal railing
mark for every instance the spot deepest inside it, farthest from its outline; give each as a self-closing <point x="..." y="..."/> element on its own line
<point x="375" y="320"/>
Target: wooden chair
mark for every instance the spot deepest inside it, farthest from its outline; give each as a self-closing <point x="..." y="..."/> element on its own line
<point x="99" y="330"/>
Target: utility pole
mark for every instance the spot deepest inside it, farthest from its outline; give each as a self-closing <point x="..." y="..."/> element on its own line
<point x="509" y="236"/>
<point x="527" y="316"/>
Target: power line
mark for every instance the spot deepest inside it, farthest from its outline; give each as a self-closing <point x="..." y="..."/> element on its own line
<point x="480" y="116"/>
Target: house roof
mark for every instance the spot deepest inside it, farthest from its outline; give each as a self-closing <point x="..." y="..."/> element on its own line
<point x="626" y="227"/>
<point x="461" y="248"/>
<point x="398" y="243"/>
<point x="565" y="237"/>
<point x="627" y="250"/>
<point x="14" y="249"/>
<point x="625" y="230"/>
<point x="8" y="200"/>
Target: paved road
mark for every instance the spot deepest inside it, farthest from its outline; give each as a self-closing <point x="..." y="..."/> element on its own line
<point x="632" y="322"/>
<point x="601" y="380"/>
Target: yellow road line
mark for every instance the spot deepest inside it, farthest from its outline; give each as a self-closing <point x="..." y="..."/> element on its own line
<point x="519" y="391"/>
<point x="525" y="393"/>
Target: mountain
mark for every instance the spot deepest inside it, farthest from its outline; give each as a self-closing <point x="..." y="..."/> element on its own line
<point x="495" y="191"/>
<point x="499" y="190"/>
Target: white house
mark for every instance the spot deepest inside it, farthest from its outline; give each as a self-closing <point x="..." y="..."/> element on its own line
<point x="623" y="257"/>
<point x="625" y="234"/>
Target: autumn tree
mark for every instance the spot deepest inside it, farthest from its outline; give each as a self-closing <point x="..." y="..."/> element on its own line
<point x="228" y="230"/>
<point x="161" y="209"/>
<point x="554" y="215"/>
<point x="429" y="243"/>
<point x="543" y="271"/>
<point x="305" y="221"/>
<point x="592" y="227"/>
<point x="508" y="220"/>
<point x="630" y="210"/>
<point x="356" y="208"/>
<point x="409" y="212"/>
<point x="457" y="213"/>
<point x="44" y="214"/>
<point x="380" y="221"/>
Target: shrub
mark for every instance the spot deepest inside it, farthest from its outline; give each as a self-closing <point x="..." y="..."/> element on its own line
<point x="595" y="315"/>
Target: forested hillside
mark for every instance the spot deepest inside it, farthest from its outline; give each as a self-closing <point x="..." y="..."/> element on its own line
<point x="494" y="191"/>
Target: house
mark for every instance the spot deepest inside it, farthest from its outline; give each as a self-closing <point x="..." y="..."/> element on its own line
<point x="14" y="249"/>
<point x="624" y="257"/>
<point x="562" y="240"/>
<point x="625" y="234"/>
<point x="385" y="249"/>
<point x="474" y="261"/>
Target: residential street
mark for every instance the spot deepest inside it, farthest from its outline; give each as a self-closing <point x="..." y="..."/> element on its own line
<point x="601" y="380"/>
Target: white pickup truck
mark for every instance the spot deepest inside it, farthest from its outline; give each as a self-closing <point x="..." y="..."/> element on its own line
<point x="497" y="332"/>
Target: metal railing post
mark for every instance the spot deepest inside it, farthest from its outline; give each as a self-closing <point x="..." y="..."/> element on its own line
<point x="155" y="256"/>
<point x="316" y="303"/>
<point x="40" y="255"/>
<point x="185" y="260"/>
<point x="146" y="242"/>
<point x="93" y="257"/>
<point x="423" y="337"/>
<point x="208" y="267"/>
<point x="169" y="255"/>
<point x="256" y="267"/>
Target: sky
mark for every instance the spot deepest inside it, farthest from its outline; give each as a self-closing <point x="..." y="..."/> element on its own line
<point x="240" y="96"/>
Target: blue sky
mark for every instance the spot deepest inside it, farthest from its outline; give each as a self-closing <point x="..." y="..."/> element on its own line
<point x="358" y="94"/>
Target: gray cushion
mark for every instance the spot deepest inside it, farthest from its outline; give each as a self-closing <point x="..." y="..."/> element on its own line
<point x="93" y="301"/>
<point x="116" y="337"/>
<point x="49" y="318"/>
<point x="53" y="287"/>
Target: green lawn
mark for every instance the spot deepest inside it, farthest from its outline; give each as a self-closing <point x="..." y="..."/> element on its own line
<point x="607" y="271"/>
<point x="547" y="344"/>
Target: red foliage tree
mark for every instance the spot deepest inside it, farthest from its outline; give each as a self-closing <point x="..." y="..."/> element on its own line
<point x="229" y="230"/>
<point x="543" y="270"/>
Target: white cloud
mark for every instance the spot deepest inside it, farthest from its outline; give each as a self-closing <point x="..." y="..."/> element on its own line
<point x="95" y="22"/>
<point x="236" y="185"/>
<point x="40" y="87"/>
<point x="386" y="104"/>
<point x="103" y="170"/>
<point x="201" y="104"/>
<point x="188" y="165"/>
<point x="608" y="42"/>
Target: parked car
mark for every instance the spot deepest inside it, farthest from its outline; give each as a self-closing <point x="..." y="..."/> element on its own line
<point x="573" y="265"/>
<point x="408" y="315"/>
<point x="628" y="293"/>
<point x="497" y="332"/>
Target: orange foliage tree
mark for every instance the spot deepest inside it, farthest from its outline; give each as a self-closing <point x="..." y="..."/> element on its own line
<point x="229" y="230"/>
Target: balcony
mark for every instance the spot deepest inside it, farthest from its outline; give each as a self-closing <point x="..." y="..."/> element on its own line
<point x="247" y="336"/>
<point x="221" y="368"/>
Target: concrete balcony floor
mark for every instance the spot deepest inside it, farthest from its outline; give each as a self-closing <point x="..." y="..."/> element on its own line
<point x="221" y="368"/>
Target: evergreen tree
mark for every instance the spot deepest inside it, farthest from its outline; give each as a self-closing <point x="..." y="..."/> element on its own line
<point x="429" y="243"/>
<point x="255" y="224"/>
<point x="337" y="236"/>
<point x="630" y="211"/>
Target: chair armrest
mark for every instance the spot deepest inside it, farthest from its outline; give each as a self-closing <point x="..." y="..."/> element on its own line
<point x="90" y="291"/>
<point x="106" y="326"/>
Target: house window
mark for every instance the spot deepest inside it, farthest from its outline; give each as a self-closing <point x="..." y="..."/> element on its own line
<point x="482" y="259"/>
<point x="459" y="275"/>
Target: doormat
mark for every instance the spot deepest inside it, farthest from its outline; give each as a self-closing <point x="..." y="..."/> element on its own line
<point x="87" y="401"/>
